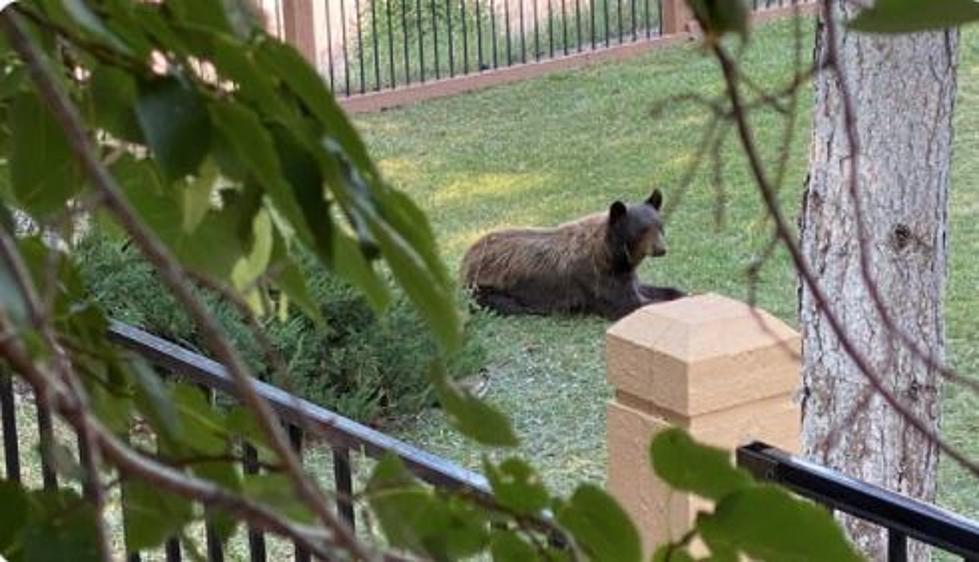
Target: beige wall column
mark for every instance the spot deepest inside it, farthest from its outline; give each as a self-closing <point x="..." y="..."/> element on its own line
<point x="299" y="22"/>
<point x="676" y="16"/>
<point x="722" y="370"/>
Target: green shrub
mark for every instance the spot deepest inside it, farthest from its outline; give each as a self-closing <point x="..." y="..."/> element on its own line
<point x="364" y="366"/>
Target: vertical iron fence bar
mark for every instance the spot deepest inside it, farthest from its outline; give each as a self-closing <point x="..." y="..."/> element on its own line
<point x="11" y="451"/>
<point x="296" y="439"/>
<point x="256" y="540"/>
<point x="393" y="72"/>
<point x="329" y="43"/>
<point x="89" y="481"/>
<point x="618" y="9"/>
<point x="577" y="24"/>
<point x="448" y="31"/>
<point x="493" y="32"/>
<point x="648" y="25"/>
<point x="377" y="54"/>
<point x="172" y="548"/>
<point x="591" y="10"/>
<point x="523" y="34"/>
<point x="537" y="51"/>
<point x="343" y="38"/>
<point x="130" y="556"/>
<point x="341" y="477"/>
<point x="404" y="41"/>
<point x="632" y="12"/>
<point x="435" y="40"/>
<point x="421" y="38"/>
<point x="479" y="38"/>
<point x="465" y="37"/>
<point x="550" y="28"/>
<point x="215" y="550"/>
<point x="360" y="47"/>
<point x="897" y="546"/>
<point x="506" y="17"/>
<point x="564" y="27"/>
<point x="46" y="434"/>
<point x="607" y="33"/>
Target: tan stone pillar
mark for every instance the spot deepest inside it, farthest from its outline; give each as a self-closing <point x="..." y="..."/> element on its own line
<point x="299" y="20"/>
<point x="722" y="370"/>
<point x="676" y="16"/>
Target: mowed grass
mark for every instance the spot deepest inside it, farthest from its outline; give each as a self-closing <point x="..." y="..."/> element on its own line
<point x="551" y="149"/>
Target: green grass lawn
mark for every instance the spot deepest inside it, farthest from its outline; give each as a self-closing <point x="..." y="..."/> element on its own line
<point x="548" y="150"/>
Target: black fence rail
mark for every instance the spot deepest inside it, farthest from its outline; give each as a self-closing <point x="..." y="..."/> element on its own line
<point x="373" y="45"/>
<point x="304" y="420"/>
<point x="903" y="517"/>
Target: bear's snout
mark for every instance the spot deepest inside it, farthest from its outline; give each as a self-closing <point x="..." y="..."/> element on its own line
<point x="659" y="252"/>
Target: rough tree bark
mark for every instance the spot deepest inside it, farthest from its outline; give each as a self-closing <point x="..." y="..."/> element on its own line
<point x="903" y="91"/>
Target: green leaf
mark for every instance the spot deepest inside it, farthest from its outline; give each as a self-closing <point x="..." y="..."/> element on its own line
<point x="88" y="20"/>
<point x="290" y="279"/>
<point x="909" y="16"/>
<point x="225" y="474"/>
<point x="176" y="126"/>
<point x="196" y="200"/>
<point x="61" y="527"/>
<point x="470" y="415"/>
<point x="162" y="211"/>
<point x="277" y="491"/>
<point x="151" y="515"/>
<point x="413" y="518"/>
<point x="689" y="466"/>
<point x="398" y="501"/>
<point x="13" y="514"/>
<point x="241" y="130"/>
<point x="507" y="546"/>
<point x="672" y="553"/>
<point x="248" y="269"/>
<point x="114" y="97"/>
<point x="767" y="523"/>
<point x="43" y="170"/>
<point x="11" y="299"/>
<point x="205" y="428"/>
<point x="208" y="14"/>
<point x="517" y="486"/>
<point x="154" y="401"/>
<point x="599" y="526"/>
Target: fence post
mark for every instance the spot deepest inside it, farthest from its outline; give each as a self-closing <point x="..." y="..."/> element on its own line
<point x="676" y="16"/>
<point x="722" y="370"/>
<point x="299" y="20"/>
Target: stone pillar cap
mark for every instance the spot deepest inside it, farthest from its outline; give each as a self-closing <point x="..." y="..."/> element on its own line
<point x="701" y="354"/>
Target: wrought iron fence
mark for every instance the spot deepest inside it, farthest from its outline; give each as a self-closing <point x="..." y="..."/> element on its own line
<point x="372" y="45"/>
<point x="903" y="517"/>
<point x="344" y="438"/>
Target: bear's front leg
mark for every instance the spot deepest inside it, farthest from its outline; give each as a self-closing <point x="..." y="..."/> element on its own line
<point x="651" y="294"/>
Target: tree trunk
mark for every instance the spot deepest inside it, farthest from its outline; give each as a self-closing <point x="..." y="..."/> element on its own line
<point x="903" y="90"/>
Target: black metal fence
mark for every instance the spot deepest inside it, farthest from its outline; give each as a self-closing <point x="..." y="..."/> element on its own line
<point x="372" y="45"/>
<point x="345" y="439"/>
<point x="903" y="517"/>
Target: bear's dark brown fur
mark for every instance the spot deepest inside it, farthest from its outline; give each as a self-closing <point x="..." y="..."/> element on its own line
<point x="586" y="266"/>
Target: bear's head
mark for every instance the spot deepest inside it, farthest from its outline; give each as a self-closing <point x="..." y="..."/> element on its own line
<point x="636" y="231"/>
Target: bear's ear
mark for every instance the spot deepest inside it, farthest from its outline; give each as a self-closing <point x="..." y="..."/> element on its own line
<point x="656" y="199"/>
<point x="616" y="211"/>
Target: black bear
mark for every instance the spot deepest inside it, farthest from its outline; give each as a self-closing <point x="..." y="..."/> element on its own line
<point x="587" y="266"/>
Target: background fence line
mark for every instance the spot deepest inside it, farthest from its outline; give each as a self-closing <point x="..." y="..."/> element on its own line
<point x="366" y="47"/>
